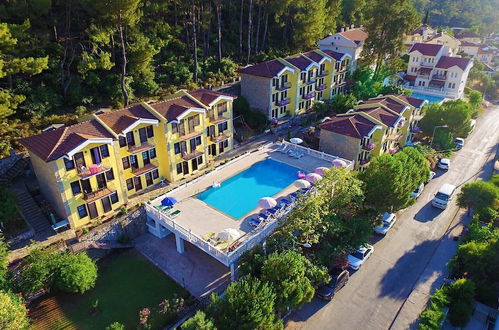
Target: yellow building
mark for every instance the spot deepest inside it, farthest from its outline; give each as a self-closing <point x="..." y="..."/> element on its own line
<point x="90" y="169"/>
<point x="376" y="126"/>
<point x="289" y="86"/>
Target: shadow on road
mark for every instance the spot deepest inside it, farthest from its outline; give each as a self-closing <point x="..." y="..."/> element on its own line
<point x="427" y="213"/>
<point x="308" y="310"/>
<point x="398" y="280"/>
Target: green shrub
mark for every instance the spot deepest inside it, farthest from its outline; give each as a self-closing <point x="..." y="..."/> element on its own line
<point x="460" y="313"/>
<point x="487" y="214"/>
<point x="433" y="315"/>
<point x="461" y="295"/>
<point x="75" y="273"/>
<point x="198" y="322"/>
<point x="115" y="326"/>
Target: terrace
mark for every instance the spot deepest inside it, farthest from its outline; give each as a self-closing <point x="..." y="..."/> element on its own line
<point x="194" y="221"/>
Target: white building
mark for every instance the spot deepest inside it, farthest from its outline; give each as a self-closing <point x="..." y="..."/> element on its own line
<point x="349" y="41"/>
<point x="431" y="70"/>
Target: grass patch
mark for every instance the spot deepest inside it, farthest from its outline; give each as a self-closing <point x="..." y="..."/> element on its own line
<point x="127" y="283"/>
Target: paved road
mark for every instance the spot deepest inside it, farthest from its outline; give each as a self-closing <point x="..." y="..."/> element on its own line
<point x="391" y="288"/>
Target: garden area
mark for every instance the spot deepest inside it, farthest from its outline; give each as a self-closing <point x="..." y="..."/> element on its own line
<point x="127" y="285"/>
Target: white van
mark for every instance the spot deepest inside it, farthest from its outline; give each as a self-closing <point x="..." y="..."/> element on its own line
<point x="443" y="196"/>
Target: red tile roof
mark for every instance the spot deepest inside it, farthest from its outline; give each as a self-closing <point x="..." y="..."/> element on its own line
<point x="469" y="44"/>
<point x="119" y="120"/>
<point x="409" y="77"/>
<point x="414" y="101"/>
<point x="172" y="108"/>
<point x="267" y="69"/>
<point x="426" y="49"/>
<point x="314" y="56"/>
<point x="387" y="102"/>
<point x="52" y="145"/>
<point x="446" y="62"/>
<point x="355" y="35"/>
<point x="336" y="55"/>
<point x="381" y="114"/>
<point x="207" y="96"/>
<point x="353" y="125"/>
<point x="301" y="62"/>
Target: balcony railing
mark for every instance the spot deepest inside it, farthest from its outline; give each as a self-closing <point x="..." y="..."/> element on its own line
<point x="395" y="137"/>
<point x="282" y="102"/>
<point x="217" y="119"/>
<point x="92" y="170"/>
<point x="439" y="76"/>
<point x="368" y="146"/>
<point x="321" y="87"/>
<point x="146" y="168"/>
<point x="364" y="162"/>
<point x="309" y="96"/>
<point x="283" y="86"/>
<point x="311" y="80"/>
<point x="219" y="138"/>
<point x="189" y="156"/>
<point x="323" y="73"/>
<point x="140" y="148"/>
<point x="92" y="196"/>
<point x="416" y="130"/>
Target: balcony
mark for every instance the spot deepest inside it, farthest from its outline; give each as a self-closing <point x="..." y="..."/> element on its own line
<point x="309" y="96"/>
<point x="190" y="135"/>
<point x="93" y="170"/>
<point x="100" y="193"/>
<point x="416" y="130"/>
<point x="217" y="119"/>
<point x="282" y="102"/>
<point x="323" y="73"/>
<point x="311" y="80"/>
<point x="439" y="76"/>
<point x="140" y="148"/>
<point x="368" y="146"/>
<point x="365" y="162"/>
<point x="192" y="155"/>
<point x="395" y="137"/>
<point x="321" y="87"/>
<point x="146" y="168"/>
<point x="283" y="86"/>
<point x="219" y="138"/>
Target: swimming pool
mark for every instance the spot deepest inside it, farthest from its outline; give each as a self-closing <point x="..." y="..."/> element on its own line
<point x="429" y="98"/>
<point x="240" y="194"/>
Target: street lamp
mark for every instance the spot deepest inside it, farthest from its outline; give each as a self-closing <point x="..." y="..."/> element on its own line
<point x="434" y="129"/>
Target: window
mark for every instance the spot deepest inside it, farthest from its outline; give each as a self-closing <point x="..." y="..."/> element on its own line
<point x="198" y="140"/>
<point x="133" y="161"/>
<point x="226" y="143"/>
<point x="82" y="211"/>
<point x="174" y="128"/>
<point x="179" y="168"/>
<point x="222" y="107"/>
<point x="150" y="131"/>
<point x="104" y="151"/>
<point x="130" y="139"/>
<point x="122" y="141"/>
<point x="142" y="135"/>
<point x="155" y="174"/>
<point x="69" y="163"/>
<point x="176" y="146"/>
<point x="274" y="82"/>
<point x="152" y="153"/>
<point x="126" y="163"/>
<point x="200" y="160"/>
<point x="114" y="198"/>
<point x="75" y="188"/>
<point x="192" y="122"/>
<point x="129" y="184"/>
<point x="110" y="175"/>
<point x="222" y="127"/>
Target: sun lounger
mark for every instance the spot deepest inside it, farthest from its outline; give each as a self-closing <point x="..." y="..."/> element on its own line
<point x="283" y="148"/>
<point x="254" y="222"/>
<point x="285" y="202"/>
<point x="263" y="216"/>
<point x="297" y="155"/>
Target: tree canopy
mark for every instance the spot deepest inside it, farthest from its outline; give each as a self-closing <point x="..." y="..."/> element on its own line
<point x="13" y="313"/>
<point x="478" y="195"/>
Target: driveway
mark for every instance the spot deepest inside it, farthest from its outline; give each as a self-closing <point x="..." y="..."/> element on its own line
<point x="392" y="287"/>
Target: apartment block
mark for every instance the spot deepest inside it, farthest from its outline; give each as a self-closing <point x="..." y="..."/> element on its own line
<point x="376" y="126"/>
<point x="289" y="86"/>
<point x="90" y="169"/>
<point x="349" y="40"/>
<point x="433" y="71"/>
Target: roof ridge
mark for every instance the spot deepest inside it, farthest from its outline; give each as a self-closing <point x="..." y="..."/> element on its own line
<point x="354" y="126"/>
<point x="59" y="141"/>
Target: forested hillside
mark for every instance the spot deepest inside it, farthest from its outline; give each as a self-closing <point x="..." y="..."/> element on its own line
<point x="65" y="57"/>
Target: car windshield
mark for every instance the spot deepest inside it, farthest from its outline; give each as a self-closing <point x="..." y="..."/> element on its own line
<point x="441" y="196"/>
<point x="358" y="255"/>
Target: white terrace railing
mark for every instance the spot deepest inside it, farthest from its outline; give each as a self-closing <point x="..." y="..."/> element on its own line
<point x="317" y="153"/>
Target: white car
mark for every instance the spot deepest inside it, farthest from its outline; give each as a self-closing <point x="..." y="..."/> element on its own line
<point x="416" y="193"/>
<point x="387" y="220"/>
<point x="459" y="143"/>
<point x="431" y="176"/>
<point x="356" y="259"/>
<point x="444" y="164"/>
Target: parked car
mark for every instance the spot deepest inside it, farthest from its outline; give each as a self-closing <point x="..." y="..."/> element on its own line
<point x="338" y="280"/>
<point x="459" y="143"/>
<point x="444" y="164"/>
<point x="387" y="221"/>
<point x="431" y="176"/>
<point x="416" y="193"/>
<point x="356" y="259"/>
<point x="443" y="196"/>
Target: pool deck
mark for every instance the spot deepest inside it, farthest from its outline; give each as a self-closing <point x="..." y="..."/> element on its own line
<point x="202" y="219"/>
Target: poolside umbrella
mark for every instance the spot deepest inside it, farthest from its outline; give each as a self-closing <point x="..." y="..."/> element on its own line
<point x="296" y="141"/>
<point x="321" y="170"/>
<point x="267" y="203"/>
<point x="169" y="201"/>
<point x="302" y="184"/>
<point x="228" y="234"/>
<point x="339" y="163"/>
<point x="313" y="177"/>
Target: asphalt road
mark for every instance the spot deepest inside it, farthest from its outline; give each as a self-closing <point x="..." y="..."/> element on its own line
<point x="411" y="256"/>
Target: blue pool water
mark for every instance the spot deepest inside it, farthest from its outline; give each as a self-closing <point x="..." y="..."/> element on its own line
<point x="429" y="98"/>
<point x="240" y="194"/>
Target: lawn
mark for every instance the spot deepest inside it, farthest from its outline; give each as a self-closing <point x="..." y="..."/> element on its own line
<point x="127" y="283"/>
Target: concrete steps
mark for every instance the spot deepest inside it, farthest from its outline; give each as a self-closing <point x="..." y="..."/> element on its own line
<point x="30" y="210"/>
<point x="17" y="168"/>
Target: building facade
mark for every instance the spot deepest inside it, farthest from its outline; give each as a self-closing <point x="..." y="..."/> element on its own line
<point x="290" y="86"/>
<point x="431" y="70"/>
<point x="348" y="41"/>
<point x="89" y="170"/>
<point x="374" y="127"/>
